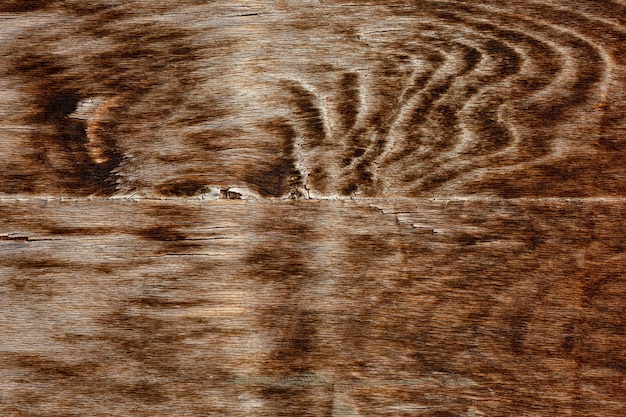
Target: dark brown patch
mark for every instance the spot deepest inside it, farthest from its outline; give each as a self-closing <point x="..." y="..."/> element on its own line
<point x="22" y="6"/>
<point x="54" y="229"/>
<point x="229" y="195"/>
<point x="349" y="100"/>
<point x="275" y="180"/>
<point x="48" y="368"/>
<point x="187" y="188"/>
<point x="163" y="302"/>
<point x="309" y="114"/>
<point x="162" y="233"/>
<point x="65" y="143"/>
<point x="42" y="263"/>
<point x="15" y="238"/>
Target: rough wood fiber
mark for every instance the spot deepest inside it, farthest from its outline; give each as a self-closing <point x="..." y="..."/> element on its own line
<point x="456" y="247"/>
<point x="313" y="98"/>
<point x="180" y="308"/>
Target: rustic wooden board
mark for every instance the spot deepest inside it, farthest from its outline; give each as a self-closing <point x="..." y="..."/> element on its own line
<point x="313" y="98"/>
<point x="428" y="308"/>
<point x="312" y="208"/>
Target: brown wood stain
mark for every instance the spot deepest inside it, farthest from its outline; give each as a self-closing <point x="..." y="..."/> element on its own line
<point x="312" y="208"/>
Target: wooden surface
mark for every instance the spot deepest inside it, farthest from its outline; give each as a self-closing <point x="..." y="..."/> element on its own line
<point x="312" y="208"/>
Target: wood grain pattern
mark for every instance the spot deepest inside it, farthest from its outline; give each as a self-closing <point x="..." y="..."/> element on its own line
<point x="314" y="99"/>
<point x="312" y="208"/>
<point x="431" y="308"/>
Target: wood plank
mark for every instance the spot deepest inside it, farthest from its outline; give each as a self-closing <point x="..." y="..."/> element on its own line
<point x="312" y="208"/>
<point x="313" y="99"/>
<point x="322" y="308"/>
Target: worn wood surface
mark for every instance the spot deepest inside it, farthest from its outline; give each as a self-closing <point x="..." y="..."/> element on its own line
<point x="314" y="308"/>
<point x="312" y="208"/>
<point x="313" y="98"/>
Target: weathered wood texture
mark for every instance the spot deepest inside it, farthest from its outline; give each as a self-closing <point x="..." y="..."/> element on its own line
<point x="430" y="218"/>
<point x="443" y="308"/>
<point x="313" y="98"/>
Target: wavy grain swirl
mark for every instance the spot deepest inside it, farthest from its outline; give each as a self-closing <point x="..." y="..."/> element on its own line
<point x="319" y="99"/>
